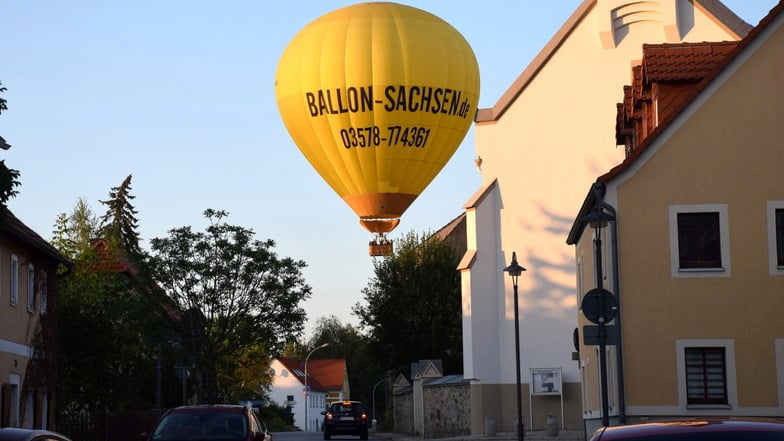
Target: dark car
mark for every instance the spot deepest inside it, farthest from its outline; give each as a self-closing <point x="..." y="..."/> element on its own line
<point x="209" y="422"/>
<point x="17" y="434"/>
<point x="346" y="418"/>
<point x="704" y="429"/>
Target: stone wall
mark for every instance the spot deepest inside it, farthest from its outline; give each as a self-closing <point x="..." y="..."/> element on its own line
<point x="404" y="412"/>
<point x="447" y="411"/>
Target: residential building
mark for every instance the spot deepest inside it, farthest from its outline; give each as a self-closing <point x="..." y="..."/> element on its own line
<point x="693" y="247"/>
<point x="28" y="298"/>
<point x="326" y="381"/>
<point x="540" y="145"/>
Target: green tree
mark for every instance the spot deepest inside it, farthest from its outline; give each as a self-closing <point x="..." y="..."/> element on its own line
<point x="107" y="321"/>
<point x="73" y="232"/>
<point x="240" y="298"/>
<point x="413" y="306"/>
<point x="120" y="223"/>
<point x="9" y="178"/>
<point x="3" y="102"/>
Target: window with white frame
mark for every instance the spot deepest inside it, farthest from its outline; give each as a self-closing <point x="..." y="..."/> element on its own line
<point x="775" y="215"/>
<point x="44" y="291"/>
<point x="699" y="240"/>
<point x="706" y="373"/>
<point x="14" y="279"/>
<point x="580" y="284"/>
<point x="30" y="287"/>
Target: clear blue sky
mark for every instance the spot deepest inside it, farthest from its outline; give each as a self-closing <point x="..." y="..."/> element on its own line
<point x="181" y="95"/>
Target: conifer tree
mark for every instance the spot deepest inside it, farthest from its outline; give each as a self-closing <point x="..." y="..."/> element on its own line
<point x="120" y="223"/>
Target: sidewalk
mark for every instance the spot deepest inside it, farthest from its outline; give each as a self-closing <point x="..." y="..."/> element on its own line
<point x="563" y="435"/>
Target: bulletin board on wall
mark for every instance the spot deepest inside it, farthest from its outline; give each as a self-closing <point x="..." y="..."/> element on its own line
<point x="546" y="381"/>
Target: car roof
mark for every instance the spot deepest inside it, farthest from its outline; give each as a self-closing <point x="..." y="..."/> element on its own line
<point x="17" y="433"/>
<point x="210" y="408"/>
<point x="702" y="425"/>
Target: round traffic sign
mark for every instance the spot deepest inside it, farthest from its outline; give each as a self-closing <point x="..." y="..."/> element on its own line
<point x="599" y="306"/>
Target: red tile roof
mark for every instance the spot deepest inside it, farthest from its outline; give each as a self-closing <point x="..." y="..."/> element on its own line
<point x="682" y="61"/>
<point x="330" y="373"/>
<point x="111" y="261"/>
<point x="323" y="374"/>
<point x="718" y="66"/>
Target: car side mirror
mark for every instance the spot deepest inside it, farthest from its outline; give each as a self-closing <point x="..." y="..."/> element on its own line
<point x="143" y="436"/>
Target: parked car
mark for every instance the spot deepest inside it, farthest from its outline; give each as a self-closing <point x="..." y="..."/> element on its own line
<point x="18" y="434"/>
<point x="703" y="429"/>
<point x="209" y="422"/>
<point x="346" y="418"/>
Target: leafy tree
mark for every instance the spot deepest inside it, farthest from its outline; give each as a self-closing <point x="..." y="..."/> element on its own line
<point x="9" y="178"/>
<point x="241" y="299"/>
<point x="3" y="102"/>
<point x="413" y="305"/>
<point x="106" y="322"/>
<point x="73" y="232"/>
<point x="120" y="223"/>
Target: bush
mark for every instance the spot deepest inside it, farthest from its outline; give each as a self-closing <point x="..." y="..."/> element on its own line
<point x="278" y="418"/>
<point x="385" y="425"/>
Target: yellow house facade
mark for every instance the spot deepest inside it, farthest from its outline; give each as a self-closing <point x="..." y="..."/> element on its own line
<point x="694" y="244"/>
<point x="28" y="282"/>
<point x="538" y="148"/>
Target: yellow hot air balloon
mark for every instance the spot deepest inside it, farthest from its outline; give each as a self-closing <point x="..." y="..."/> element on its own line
<point x="378" y="96"/>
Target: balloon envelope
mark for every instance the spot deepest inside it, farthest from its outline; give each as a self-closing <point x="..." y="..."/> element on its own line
<point x="378" y="96"/>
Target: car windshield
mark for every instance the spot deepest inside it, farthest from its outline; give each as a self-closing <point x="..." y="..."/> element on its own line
<point x="201" y="426"/>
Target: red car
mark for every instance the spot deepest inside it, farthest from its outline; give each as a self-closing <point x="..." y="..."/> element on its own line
<point x="704" y="429"/>
<point x="209" y="422"/>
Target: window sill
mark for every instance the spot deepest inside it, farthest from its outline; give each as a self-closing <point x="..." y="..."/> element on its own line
<point x="708" y="406"/>
<point x="701" y="270"/>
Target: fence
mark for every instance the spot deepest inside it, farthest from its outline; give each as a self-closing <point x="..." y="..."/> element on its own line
<point x="108" y="426"/>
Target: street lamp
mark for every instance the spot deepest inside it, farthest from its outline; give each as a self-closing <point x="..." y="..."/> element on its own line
<point x="514" y="270"/>
<point x="374" y="398"/>
<point x="598" y="219"/>
<point x="307" y="391"/>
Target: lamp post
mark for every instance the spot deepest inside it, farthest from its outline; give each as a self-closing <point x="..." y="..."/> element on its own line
<point x="307" y="391"/>
<point x="514" y="270"/>
<point x="598" y="219"/>
<point x="374" y="398"/>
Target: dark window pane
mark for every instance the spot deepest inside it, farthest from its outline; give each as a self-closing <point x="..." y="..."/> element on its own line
<point x="699" y="244"/>
<point x="780" y="236"/>
<point x="706" y="376"/>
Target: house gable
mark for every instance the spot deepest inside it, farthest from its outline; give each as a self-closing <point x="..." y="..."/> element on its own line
<point x="717" y="152"/>
<point x="615" y="18"/>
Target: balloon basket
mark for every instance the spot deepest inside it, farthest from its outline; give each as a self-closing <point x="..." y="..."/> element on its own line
<point x="380" y="247"/>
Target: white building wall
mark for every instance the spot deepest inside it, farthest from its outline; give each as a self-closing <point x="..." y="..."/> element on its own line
<point x="284" y="383"/>
<point x="552" y="142"/>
